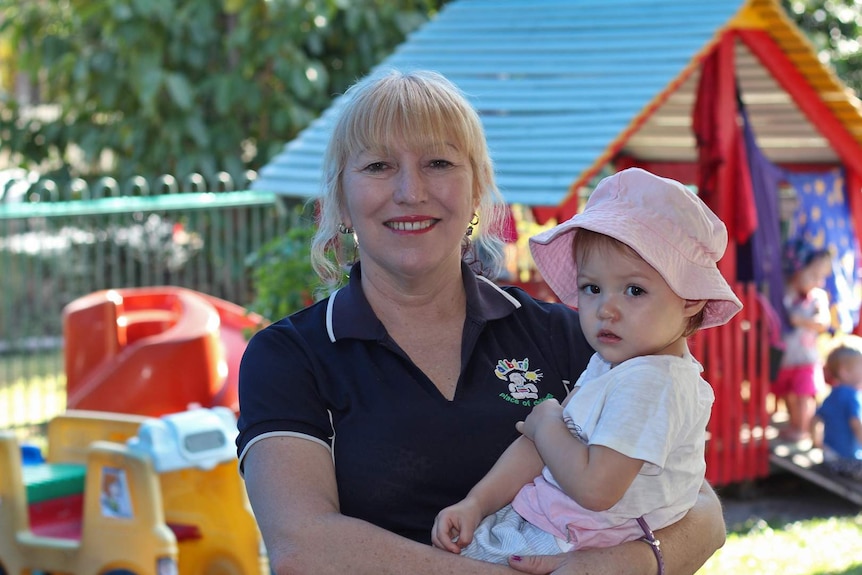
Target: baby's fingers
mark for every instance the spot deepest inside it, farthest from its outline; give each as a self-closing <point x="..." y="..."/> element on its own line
<point x="444" y="536"/>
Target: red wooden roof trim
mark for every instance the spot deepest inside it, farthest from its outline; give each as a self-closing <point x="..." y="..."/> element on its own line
<point x="772" y="18"/>
<point x="810" y="102"/>
<point x="801" y="51"/>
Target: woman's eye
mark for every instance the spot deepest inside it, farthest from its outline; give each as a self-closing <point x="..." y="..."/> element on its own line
<point x="440" y="163"/>
<point x="375" y="167"/>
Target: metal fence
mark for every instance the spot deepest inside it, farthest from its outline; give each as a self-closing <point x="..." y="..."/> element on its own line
<point x="55" y="249"/>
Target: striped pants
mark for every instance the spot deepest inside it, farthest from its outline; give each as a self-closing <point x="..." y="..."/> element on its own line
<point x="506" y="533"/>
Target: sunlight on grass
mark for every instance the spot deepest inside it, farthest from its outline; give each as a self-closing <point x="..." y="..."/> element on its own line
<point x="37" y="399"/>
<point x="811" y="547"/>
<point x="32" y="388"/>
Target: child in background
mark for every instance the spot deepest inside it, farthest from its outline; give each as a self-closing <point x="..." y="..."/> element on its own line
<point x="800" y="377"/>
<point x="624" y="453"/>
<point x="837" y="424"/>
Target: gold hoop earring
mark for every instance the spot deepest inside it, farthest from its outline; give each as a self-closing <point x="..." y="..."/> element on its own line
<point x="342" y="229"/>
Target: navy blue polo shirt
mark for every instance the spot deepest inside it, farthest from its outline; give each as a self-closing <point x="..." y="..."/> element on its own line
<point x="402" y="451"/>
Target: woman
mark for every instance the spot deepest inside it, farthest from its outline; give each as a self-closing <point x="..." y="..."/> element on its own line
<point x="365" y="414"/>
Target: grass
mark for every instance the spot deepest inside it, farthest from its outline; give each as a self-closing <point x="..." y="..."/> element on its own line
<point x="33" y="401"/>
<point x="811" y="547"/>
<point x="32" y="389"/>
<point x="784" y="525"/>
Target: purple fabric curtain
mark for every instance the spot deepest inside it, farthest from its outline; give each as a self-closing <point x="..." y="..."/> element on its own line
<point x="822" y="219"/>
<point x="759" y="259"/>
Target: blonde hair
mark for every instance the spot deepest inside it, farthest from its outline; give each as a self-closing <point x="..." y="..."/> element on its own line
<point x="413" y="107"/>
<point x="587" y="242"/>
<point x="848" y="347"/>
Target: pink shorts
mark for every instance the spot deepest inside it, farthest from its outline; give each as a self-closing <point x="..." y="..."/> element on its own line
<point x="799" y="379"/>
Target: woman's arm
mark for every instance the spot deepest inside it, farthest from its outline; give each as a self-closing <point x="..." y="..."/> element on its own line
<point x="291" y="486"/>
<point x="686" y="545"/>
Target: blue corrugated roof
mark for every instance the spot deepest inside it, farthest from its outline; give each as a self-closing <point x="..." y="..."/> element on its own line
<point x="555" y="82"/>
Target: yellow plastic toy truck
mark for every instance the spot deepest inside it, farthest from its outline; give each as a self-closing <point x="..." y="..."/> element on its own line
<point x="128" y="495"/>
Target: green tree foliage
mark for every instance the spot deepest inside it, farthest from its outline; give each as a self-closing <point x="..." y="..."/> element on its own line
<point x="834" y="27"/>
<point x="182" y="86"/>
<point x="284" y="280"/>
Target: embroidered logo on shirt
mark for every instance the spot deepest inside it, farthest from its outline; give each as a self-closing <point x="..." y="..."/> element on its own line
<point x="521" y="379"/>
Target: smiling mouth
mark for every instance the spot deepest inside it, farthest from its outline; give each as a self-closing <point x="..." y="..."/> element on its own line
<point x="411" y="226"/>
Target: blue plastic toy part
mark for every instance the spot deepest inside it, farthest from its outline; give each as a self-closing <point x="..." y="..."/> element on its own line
<point x="31" y="455"/>
<point x="200" y="438"/>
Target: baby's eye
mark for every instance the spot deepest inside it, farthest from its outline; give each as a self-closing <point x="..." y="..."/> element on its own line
<point x="591" y="289"/>
<point x="635" y="291"/>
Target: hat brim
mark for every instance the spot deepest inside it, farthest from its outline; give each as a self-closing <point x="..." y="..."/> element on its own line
<point x="554" y="257"/>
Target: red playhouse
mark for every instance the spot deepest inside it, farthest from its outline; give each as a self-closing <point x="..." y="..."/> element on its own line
<point x="721" y="95"/>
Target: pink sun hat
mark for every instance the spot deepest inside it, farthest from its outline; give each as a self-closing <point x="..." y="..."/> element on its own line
<point x="660" y="219"/>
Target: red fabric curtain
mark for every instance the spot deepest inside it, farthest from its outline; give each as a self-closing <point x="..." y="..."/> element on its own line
<point x="723" y="179"/>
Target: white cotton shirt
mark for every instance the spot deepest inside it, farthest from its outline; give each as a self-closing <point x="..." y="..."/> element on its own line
<point x="653" y="408"/>
<point x="800" y="343"/>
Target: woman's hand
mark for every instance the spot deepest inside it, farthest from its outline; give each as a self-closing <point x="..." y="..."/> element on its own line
<point x="607" y="561"/>
<point x="538" y="564"/>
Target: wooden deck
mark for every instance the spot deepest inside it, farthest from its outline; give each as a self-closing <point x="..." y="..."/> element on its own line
<point x="807" y="462"/>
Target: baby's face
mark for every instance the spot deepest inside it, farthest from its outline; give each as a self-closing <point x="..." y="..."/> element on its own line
<point x="850" y="371"/>
<point x="627" y="308"/>
<point x="813" y="275"/>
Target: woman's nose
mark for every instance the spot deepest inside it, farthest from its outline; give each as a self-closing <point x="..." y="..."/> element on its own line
<point x="410" y="187"/>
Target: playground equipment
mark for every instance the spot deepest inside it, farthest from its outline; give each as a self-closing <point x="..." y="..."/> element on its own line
<point x="155" y="350"/>
<point x="127" y="494"/>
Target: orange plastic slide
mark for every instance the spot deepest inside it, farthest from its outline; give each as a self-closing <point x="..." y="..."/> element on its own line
<point x="153" y="351"/>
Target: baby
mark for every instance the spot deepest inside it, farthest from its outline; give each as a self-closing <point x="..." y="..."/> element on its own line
<point x="624" y="453"/>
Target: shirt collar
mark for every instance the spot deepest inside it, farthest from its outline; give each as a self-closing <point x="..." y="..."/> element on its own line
<point x="349" y="315"/>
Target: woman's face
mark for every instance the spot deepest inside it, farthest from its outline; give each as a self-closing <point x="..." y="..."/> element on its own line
<point x="409" y="207"/>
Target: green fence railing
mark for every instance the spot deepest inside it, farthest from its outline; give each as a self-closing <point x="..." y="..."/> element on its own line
<point x="55" y="251"/>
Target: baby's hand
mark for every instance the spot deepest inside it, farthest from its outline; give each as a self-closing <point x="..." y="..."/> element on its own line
<point x="549" y="411"/>
<point x="454" y="526"/>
